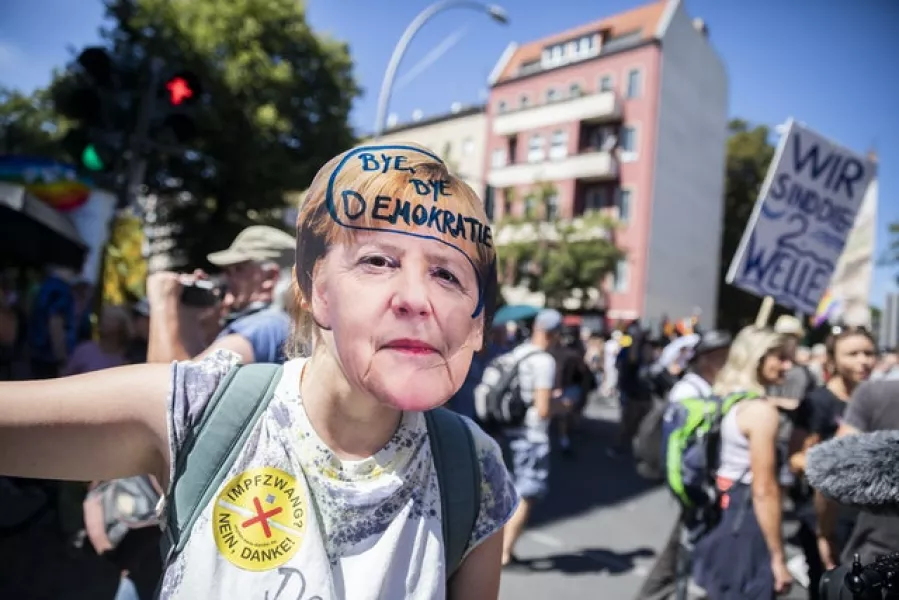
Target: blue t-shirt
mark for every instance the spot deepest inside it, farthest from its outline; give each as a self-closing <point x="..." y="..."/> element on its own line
<point x="266" y="330"/>
<point x="54" y="297"/>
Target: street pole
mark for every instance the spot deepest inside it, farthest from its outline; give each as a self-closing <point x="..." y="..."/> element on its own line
<point x="137" y="161"/>
<point x="497" y="13"/>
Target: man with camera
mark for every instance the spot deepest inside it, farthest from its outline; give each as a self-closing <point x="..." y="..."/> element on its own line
<point x="256" y="273"/>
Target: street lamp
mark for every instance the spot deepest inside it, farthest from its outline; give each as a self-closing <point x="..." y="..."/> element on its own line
<point x="497" y="13"/>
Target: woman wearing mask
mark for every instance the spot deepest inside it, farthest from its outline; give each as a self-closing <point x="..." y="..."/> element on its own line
<point x="851" y="354"/>
<point x="335" y="491"/>
<point x="742" y="558"/>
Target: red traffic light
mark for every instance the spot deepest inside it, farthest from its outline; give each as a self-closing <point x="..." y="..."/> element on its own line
<point x="179" y="90"/>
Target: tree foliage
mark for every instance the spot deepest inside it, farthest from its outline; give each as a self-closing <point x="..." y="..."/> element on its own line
<point x="562" y="258"/>
<point x="890" y="257"/>
<point x="28" y="125"/>
<point x="277" y="98"/>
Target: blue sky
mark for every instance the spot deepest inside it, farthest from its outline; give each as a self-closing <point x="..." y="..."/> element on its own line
<point x="825" y="62"/>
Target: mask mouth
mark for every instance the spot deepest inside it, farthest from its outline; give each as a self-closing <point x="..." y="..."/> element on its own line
<point x="411" y="346"/>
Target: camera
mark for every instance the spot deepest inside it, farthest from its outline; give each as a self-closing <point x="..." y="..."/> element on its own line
<point x="878" y="580"/>
<point x="201" y="294"/>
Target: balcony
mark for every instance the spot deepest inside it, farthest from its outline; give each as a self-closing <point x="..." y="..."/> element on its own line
<point x="600" y="107"/>
<point x="592" y="166"/>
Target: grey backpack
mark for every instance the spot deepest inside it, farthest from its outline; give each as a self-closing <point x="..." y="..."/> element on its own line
<point x="243" y="396"/>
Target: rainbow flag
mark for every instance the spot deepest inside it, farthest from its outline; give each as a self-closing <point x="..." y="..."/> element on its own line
<point x="826" y="307"/>
<point x="56" y="183"/>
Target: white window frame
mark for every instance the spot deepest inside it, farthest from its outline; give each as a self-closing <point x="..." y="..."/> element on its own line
<point x="575" y="89"/>
<point x="629" y="155"/>
<point x="524" y="101"/>
<point x="627" y="83"/>
<point x="611" y="79"/>
<point x="501" y="107"/>
<point x="536" y="148"/>
<point x="558" y="144"/>
<point x="468" y="146"/>
<point x="498" y="158"/>
<point x="621" y="283"/>
<point x="630" y="191"/>
<point x="551" y="92"/>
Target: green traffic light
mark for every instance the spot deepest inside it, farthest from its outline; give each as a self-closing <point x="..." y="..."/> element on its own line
<point x="91" y="160"/>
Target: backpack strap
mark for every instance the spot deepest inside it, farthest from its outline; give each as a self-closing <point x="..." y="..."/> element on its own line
<point x="212" y="446"/>
<point x="459" y="478"/>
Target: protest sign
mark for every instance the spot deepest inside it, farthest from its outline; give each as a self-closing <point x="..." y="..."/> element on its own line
<point x="801" y="220"/>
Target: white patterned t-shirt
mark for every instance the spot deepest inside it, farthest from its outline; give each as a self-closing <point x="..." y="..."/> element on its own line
<point x="294" y="522"/>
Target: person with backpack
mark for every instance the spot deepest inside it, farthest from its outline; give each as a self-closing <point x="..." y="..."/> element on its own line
<point x="337" y="475"/>
<point x="708" y="357"/>
<point x="522" y="381"/>
<point x="740" y="554"/>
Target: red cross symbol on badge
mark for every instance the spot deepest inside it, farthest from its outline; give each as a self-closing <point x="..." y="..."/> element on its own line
<point x="262" y="517"/>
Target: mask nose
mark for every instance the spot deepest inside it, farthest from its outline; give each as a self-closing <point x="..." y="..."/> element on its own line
<point x="411" y="296"/>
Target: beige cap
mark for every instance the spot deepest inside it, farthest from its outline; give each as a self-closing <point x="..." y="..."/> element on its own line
<point x="789" y="325"/>
<point x="255" y="243"/>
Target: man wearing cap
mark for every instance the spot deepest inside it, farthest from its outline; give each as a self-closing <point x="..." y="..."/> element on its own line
<point x="257" y="273"/>
<point x="529" y="443"/>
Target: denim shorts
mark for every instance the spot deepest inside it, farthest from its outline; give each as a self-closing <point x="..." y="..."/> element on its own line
<point x="530" y="467"/>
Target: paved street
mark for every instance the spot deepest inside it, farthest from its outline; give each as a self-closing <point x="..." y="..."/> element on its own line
<point x="596" y="534"/>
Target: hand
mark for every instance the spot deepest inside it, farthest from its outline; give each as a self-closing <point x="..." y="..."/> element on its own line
<point x="782" y="578"/>
<point x="163" y="288"/>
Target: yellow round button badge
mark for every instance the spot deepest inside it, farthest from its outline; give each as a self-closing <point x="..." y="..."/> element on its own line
<point x="260" y="519"/>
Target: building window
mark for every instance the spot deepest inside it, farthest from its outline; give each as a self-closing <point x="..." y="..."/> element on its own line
<point x="501" y="107"/>
<point x="530" y="206"/>
<point x="558" y="147"/>
<point x="468" y="146"/>
<point x="498" y="158"/>
<point x="507" y="204"/>
<point x="551" y="210"/>
<point x="625" y="199"/>
<point x="551" y="95"/>
<point x="628" y="143"/>
<point x="524" y="101"/>
<point x="622" y="276"/>
<point x="535" y="148"/>
<point x="634" y="81"/>
<point x="585" y="46"/>
<point x="605" y="83"/>
<point x="593" y="199"/>
<point x="575" y="90"/>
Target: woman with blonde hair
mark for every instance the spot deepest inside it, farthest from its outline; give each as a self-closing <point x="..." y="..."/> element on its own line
<point x="334" y="492"/>
<point x="743" y="556"/>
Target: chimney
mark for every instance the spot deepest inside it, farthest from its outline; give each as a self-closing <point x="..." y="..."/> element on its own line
<point x="416" y="115"/>
<point x="700" y="26"/>
<point x="455" y="107"/>
<point x="392" y="120"/>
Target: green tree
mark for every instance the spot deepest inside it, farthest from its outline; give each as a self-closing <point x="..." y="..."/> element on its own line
<point x="276" y="104"/>
<point x="561" y="258"/>
<point x="749" y="154"/>
<point x="28" y="125"/>
<point x="890" y="256"/>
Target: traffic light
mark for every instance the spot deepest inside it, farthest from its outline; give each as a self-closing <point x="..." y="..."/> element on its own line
<point x="87" y="99"/>
<point x="181" y="92"/>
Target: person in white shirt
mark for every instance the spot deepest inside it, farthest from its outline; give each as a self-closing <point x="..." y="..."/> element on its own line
<point x="334" y="490"/>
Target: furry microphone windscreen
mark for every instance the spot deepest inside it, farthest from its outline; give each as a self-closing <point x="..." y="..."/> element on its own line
<point x="858" y="470"/>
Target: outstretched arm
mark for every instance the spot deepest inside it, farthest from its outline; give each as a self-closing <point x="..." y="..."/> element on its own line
<point x="102" y="425"/>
